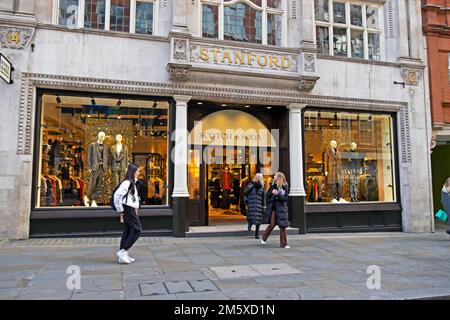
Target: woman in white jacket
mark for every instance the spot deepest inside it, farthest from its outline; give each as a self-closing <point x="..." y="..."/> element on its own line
<point x="126" y="200"/>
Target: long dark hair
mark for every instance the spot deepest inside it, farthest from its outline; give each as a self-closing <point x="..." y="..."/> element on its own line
<point x="131" y="170"/>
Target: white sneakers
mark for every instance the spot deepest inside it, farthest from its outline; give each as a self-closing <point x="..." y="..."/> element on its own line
<point x="287" y="247"/>
<point x="262" y="241"/>
<point x="124" y="257"/>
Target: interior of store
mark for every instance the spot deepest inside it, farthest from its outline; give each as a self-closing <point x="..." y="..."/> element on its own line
<point x="80" y="134"/>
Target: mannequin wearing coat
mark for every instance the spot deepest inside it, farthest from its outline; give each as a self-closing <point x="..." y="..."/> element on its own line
<point x="119" y="154"/>
<point x="332" y="162"/>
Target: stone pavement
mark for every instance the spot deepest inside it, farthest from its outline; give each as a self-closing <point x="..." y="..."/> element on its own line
<point x="325" y="266"/>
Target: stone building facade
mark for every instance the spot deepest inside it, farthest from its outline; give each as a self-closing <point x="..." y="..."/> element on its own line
<point x="314" y="71"/>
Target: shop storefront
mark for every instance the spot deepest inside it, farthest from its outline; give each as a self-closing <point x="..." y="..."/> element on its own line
<point x="84" y="144"/>
<point x="204" y="94"/>
<point x="351" y="173"/>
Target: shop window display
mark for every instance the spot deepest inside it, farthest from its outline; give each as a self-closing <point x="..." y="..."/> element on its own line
<point x="349" y="157"/>
<point x="88" y="142"/>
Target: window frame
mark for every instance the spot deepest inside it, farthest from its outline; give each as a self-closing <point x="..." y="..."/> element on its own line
<point x="349" y="27"/>
<point x="132" y="26"/>
<point x="221" y="4"/>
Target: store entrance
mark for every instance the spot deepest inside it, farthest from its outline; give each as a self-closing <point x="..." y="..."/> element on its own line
<point x="227" y="176"/>
<point x="227" y="149"/>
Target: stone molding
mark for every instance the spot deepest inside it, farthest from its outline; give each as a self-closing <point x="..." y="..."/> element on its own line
<point x="31" y="81"/>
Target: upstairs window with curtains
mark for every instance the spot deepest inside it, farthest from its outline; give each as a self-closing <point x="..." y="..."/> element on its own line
<point x="133" y="16"/>
<point x="349" y="29"/>
<point x="254" y="21"/>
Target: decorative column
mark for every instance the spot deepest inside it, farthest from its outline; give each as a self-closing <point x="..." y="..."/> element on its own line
<point x="297" y="191"/>
<point x="179" y="156"/>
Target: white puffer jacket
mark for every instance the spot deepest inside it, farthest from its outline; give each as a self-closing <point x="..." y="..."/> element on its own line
<point x="130" y="199"/>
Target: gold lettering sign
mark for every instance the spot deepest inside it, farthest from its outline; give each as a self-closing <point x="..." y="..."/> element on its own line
<point x="244" y="58"/>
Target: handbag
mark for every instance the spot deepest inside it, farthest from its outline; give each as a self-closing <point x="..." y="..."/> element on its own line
<point x="441" y="215"/>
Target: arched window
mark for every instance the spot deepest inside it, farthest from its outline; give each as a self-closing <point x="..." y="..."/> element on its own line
<point x="255" y="21"/>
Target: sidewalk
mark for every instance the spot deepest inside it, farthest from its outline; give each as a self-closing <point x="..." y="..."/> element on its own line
<point x="318" y="266"/>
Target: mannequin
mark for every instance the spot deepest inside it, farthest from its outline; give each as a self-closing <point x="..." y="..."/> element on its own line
<point x="97" y="163"/>
<point x="119" y="153"/>
<point x="355" y="165"/>
<point x="227" y="184"/>
<point x="332" y="162"/>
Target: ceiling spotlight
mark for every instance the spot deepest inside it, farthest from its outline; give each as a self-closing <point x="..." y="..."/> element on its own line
<point x="58" y="99"/>
<point x="89" y="116"/>
<point x="269" y="107"/>
<point x="119" y="117"/>
<point x="93" y="101"/>
<point x="199" y="102"/>
<point x="247" y="106"/>
<point x="223" y="105"/>
<point x="119" y="102"/>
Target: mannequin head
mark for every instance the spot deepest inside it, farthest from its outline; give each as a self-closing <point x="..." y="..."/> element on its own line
<point x="119" y="139"/>
<point x="353" y="146"/>
<point x="101" y="137"/>
<point x="333" y="144"/>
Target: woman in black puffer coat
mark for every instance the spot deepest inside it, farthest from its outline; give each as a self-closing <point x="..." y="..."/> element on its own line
<point x="256" y="202"/>
<point x="276" y="212"/>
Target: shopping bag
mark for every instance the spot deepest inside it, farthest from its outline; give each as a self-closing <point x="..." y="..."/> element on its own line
<point x="441" y="215"/>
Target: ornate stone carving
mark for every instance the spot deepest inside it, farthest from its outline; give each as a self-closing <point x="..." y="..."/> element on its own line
<point x="179" y="72"/>
<point x="411" y="76"/>
<point x="405" y="135"/>
<point x="15" y="37"/>
<point x="307" y="83"/>
<point x="309" y="62"/>
<point x="180" y="50"/>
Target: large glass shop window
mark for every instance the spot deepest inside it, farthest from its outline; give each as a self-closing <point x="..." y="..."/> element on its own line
<point x="349" y="157"/>
<point x="87" y="143"/>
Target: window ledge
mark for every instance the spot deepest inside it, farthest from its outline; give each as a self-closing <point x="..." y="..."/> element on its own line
<point x="356" y="60"/>
<point x="106" y="33"/>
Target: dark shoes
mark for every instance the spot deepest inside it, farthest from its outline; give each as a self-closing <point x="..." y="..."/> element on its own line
<point x="256" y="236"/>
<point x="448" y="232"/>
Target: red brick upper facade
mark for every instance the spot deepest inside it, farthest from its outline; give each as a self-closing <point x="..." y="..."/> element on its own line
<point x="436" y="26"/>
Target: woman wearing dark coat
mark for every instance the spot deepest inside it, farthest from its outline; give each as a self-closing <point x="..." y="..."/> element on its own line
<point x="445" y="198"/>
<point x="256" y="202"/>
<point x="276" y="209"/>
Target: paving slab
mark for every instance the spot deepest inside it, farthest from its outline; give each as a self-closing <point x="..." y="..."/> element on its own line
<point x="153" y="289"/>
<point x="203" y="285"/>
<point x="228" y="272"/>
<point x="176" y="287"/>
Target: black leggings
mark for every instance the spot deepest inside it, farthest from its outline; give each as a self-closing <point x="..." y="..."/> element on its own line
<point x="131" y="228"/>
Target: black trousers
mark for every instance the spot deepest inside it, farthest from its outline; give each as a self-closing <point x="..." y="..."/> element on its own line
<point x="132" y="228"/>
<point x="256" y="228"/>
<point x="95" y="182"/>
